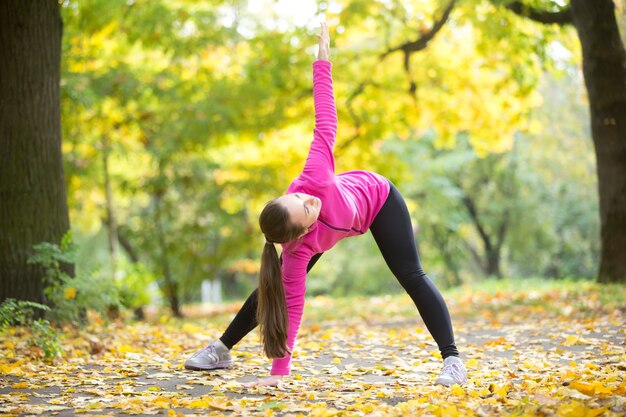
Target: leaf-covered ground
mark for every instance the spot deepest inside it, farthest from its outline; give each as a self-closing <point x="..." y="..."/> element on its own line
<point x="543" y="350"/>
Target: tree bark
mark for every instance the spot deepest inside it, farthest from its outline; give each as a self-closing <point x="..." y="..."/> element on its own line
<point x="33" y="203"/>
<point x="491" y="265"/>
<point x="111" y="220"/>
<point x="170" y="285"/>
<point x="604" y="69"/>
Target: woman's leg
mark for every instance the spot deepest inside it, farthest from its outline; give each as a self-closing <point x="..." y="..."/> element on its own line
<point x="393" y="233"/>
<point x="245" y="320"/>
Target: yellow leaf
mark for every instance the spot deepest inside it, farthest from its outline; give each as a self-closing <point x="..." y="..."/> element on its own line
<point x="593" y="412"/>
<point x="457" y="390"/>
<point x="584" y="387"/>
<point x="70" y="292"/>
<point x="570" y="340"/>
<point x="591" y="388"/>
<point x="127" y="349"/>
<point x="472" y="364"/>
<point x="448" y="411"/>
<point x="578" y="409"/>
<point x="500" y="391"/>
<point x="202" y="403"/>
<point x="22" y="384"/>
<point x="475" y="394"/>
<point x="602" y="389"/>
<point x="161" y="402"/>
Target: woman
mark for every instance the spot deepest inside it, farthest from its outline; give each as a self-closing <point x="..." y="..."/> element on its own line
<point x="319" y="209"/>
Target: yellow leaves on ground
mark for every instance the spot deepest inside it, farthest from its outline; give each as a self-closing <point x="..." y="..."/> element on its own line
<point x="191" y="328"/>
<point x="210" y="402"/>
<point x="572" y="340"/>
<point x="578" y="409"/>
<point x="362" y="357"/>
<point x="127" y="348"/>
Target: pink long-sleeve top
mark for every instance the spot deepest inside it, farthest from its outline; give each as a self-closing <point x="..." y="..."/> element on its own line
<point x="350" y="202"/>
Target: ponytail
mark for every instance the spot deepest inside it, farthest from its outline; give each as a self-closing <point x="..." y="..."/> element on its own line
<point x="271" y="313"/>
<point x="272" y="309"/>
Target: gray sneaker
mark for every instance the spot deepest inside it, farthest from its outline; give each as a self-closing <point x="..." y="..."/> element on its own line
<point x="453" y="372"/>
<point x="214" y="356"/>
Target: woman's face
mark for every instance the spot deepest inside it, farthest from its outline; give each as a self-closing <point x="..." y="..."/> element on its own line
<point x="303" y="209"/>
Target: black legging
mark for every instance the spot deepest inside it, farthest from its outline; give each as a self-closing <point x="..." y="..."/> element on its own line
<point x="393" y="233"/>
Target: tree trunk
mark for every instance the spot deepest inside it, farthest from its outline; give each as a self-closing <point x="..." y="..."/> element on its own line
<point x="170" y="286"/>
<point x="33" y="204"/>
<point x="111" y="220"/>
<point x="493" y="263"/>
<point x="604" y="68"/>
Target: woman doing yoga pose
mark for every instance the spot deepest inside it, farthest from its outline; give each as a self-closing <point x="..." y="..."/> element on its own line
<point x="319" y="209"/>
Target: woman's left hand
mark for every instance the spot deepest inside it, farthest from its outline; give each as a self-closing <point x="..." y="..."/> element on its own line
<point x="324" y="43"/>
<point x="271" y="381"/>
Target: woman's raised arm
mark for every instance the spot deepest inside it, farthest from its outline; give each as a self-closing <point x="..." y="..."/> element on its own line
<point x="320" y="163"/>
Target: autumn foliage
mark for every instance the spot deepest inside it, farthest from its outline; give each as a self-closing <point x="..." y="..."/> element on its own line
<point x="542" y="350"/>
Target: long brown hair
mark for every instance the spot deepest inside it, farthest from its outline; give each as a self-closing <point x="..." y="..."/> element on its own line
<point x="271" y="315"/>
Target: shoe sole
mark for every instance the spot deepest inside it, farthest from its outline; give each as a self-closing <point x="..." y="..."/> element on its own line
<point x="449" y="384"/>
<point x="218" y="365"/>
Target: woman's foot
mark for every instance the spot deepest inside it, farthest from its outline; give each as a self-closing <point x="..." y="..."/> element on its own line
<point x="453" y="372"/>
<point x="214" y="356"/>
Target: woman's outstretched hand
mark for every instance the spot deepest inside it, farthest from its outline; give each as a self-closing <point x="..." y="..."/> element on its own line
<point x="324" y="43"/>
<point x="271" y="381"/>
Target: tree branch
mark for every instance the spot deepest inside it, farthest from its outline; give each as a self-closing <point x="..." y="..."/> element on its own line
<point x="408" y="48"/>
<point x="471" y="209"/>
<point x="128" y="247"/>
<point x="504" y="225"/>
<point x="355" y="117"/>
<point x="562" y="17"/>
<point x="421" y="42"/>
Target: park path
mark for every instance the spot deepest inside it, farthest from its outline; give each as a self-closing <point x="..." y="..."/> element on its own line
<point x="524" y="360"/>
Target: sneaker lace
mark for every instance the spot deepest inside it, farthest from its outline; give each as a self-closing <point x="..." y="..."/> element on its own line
<point x="455" y="371"/>
<point x="208" y="351"/>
